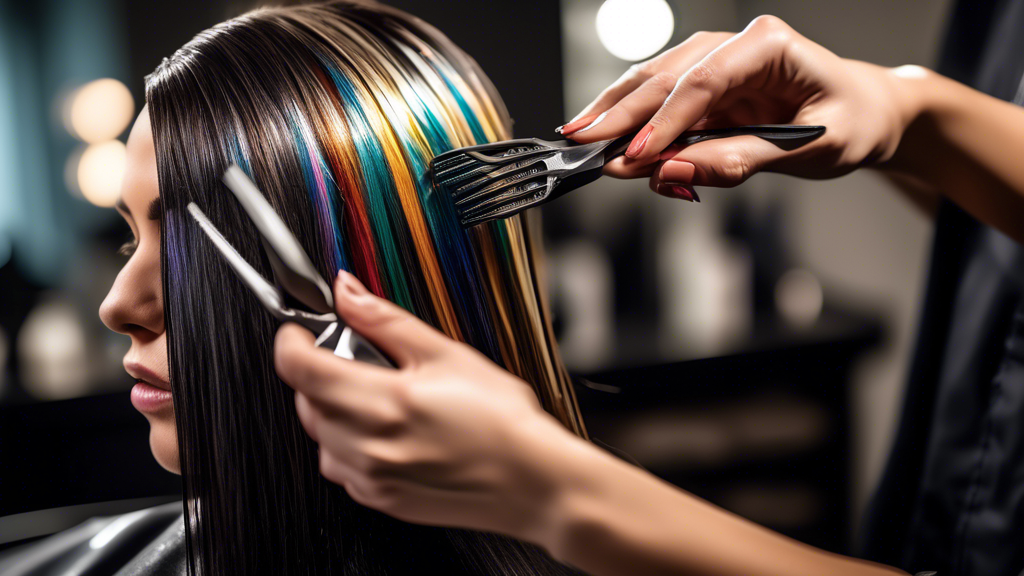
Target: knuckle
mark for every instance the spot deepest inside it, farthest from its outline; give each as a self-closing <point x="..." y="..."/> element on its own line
<point x="664" y="81"/>
<point x="382" y="460"/>
<point x="390" y="420"/>
<point x="659" y="121"/>
<point x="644" y="69"/>
<point x="772" y="28"/>
<point x="699" y="36"/>
<point x="403" y="398"/>
<point x="700" y="76"/>
<point x="733" y="168"/>
<point x="767" y="22"/>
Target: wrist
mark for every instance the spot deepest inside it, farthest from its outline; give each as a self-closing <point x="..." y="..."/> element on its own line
<point x="604" y="512"/>
<point x="911" y="87"/>
<point x="914" y="94"/>
<point x="545" y="468"/>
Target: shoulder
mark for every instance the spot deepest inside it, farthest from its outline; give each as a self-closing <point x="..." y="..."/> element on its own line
<point x="150" y="541"/>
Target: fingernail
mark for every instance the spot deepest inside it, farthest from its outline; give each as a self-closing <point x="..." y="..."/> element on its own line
<point x="677" y="171"/>
<point x="353" y="285"/>
<point x="596" y="121"/>
<point x="681" y="191"/>
<point x="639" y="141"/>
<point x="575" y="125"/>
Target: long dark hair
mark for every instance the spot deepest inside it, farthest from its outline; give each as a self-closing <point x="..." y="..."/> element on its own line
<point x="333" y="109"/>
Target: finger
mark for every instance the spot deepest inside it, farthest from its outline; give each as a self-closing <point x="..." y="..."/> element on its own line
<point x="399" y="334"/>
<point x="629" y="81"/>
<point x="307" y="416"/>
<point x="316" y="371"/>
<point x="338" y="471"/>
<point x="632" y="111"/>
<point x="675" y="61"/>
<point x="753" y="53"/>
<point x="722" y="163"/>
<point x="626" y="168"/>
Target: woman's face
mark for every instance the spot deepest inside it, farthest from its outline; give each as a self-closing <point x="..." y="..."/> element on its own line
<point x="134" y="305"/>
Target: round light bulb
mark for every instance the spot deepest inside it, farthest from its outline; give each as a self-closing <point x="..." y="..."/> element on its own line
<point x="100" y="171"/>
<point x="99" y="111"/>
<point x="634" y="29"/>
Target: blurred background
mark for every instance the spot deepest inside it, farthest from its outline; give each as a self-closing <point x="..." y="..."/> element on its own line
<point x="751" y="348"/>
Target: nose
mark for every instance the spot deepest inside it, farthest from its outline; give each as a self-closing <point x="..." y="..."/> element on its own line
<point x="134" y="305"/>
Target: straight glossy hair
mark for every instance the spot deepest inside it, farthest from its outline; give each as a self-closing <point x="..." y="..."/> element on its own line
<point x="334" y="109"/>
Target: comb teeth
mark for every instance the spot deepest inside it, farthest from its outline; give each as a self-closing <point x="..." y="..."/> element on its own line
<point x="450" y="169"/>
<point x="491" y="181"/>
<point x="458" y="169"/>
<point x="505" y="175"/>
<point x="506" y="203"/>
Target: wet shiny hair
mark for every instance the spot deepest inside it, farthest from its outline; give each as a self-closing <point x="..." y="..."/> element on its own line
<point x="334" y="109"/>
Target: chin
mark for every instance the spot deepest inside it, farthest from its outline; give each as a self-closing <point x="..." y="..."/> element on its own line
<point x="163" y="441"/>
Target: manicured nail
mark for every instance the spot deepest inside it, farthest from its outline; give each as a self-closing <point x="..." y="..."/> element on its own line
<point x="639" y="141"/>
<point x="681" y="191"/>
<point x="677" y="171"/>
<point x="596" y="121"/>
<point x="575" y="125"/>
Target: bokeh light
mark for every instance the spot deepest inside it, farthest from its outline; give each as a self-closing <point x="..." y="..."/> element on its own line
<point x="52" y="352"/>
<point x="799" y="297"/>
<point x="634" y="29"/>
<point x="98" y="172"/>
<point x="99" y="111"/>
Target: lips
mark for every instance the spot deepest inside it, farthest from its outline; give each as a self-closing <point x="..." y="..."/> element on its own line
<point x="150" y="399"/>
<point x="146" y="375"/>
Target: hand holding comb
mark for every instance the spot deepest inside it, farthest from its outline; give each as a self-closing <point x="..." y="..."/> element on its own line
<point x="501" y="179"/>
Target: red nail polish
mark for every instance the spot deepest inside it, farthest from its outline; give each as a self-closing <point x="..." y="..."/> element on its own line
<point x="639" y="141"/>
<point x="680" y="191"/>
<point x="575" y="125"/>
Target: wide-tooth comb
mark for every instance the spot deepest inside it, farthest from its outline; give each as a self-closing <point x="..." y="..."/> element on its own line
<point x="498" y="180"/>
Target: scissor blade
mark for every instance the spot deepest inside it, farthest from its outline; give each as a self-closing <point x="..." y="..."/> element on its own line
<point x="292" y="266"/>
<point x="265" y="291"/>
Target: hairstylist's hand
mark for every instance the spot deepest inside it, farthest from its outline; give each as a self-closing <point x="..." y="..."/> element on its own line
<point x="767" y="74"/>
<point x="447" y="439"/>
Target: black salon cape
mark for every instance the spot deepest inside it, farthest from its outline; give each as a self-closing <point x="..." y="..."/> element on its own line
<point x="149" y="542"/>
<point x="952" y="496"/>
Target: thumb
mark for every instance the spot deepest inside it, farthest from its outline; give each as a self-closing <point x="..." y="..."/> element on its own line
<point x="398" y="333"/>
<point x="722" y="163"/>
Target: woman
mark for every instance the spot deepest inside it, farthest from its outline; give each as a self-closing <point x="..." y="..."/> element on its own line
<point x="334" y="109"/>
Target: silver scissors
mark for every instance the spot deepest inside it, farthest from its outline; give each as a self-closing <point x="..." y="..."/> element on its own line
<point x="292" y="270"/>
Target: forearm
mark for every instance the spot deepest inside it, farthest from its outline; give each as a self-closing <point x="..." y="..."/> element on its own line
<point x="964" y="145"/>
<point x="611" y="518"/>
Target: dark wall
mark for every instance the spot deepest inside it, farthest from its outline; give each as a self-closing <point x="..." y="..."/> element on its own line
<point x="519" y="46"/>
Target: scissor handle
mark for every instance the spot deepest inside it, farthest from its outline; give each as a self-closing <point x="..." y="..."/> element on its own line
<point x="347" y="343"/>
